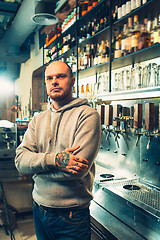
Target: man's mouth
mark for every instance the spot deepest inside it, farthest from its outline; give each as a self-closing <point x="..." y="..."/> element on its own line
<point x="55" y="89"/>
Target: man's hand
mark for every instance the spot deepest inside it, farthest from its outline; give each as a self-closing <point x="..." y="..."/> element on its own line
<point x="68" y="162"/>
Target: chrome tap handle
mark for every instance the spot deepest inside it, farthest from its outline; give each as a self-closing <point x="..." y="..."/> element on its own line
<point x="149" y="141"/>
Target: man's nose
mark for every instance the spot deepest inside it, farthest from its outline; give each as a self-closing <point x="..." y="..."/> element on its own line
<point x="54" y="81"/>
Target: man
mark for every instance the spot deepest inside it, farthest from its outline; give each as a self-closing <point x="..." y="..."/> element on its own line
<point x="59" y="148"/>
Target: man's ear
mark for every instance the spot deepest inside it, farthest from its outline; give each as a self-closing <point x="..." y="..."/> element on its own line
<point x="73" y="81"/>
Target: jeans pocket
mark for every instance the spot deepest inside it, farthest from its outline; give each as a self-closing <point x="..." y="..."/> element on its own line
<point x="80" y="216"/>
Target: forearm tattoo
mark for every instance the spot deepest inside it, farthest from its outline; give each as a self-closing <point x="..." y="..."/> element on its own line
<point x="62" y="159"/>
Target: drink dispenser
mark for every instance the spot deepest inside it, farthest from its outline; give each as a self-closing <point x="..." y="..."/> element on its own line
<point x="138" y="120"/>
<point x="149" y="121"/>
<point x="108" y="119"/>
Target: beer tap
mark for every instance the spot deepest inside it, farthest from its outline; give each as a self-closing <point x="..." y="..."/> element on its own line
<point x="7" y="140"/>
<point x="101" y="109"/>
<point x="149" y="122"/>
<point x="108" y="120"/>
<point x="138" y="121"/>
<point x="116" y="122"/>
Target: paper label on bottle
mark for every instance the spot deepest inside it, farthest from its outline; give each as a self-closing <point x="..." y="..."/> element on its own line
<point x="134" y="41"/>
<point x="123" y="44"/>
<point x="156" y="37"/>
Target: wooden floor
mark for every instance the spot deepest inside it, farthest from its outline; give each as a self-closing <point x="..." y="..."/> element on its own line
<point x="24" y="229"/>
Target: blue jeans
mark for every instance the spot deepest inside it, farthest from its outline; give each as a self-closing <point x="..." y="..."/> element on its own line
<point x="61" y="224"/>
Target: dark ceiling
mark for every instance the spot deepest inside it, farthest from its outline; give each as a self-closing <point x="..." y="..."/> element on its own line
<point x="17" y="30"/>
<point x="8" y="10"/>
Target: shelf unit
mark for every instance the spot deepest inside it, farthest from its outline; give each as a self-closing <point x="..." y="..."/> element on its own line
<point x="149" y="9"/>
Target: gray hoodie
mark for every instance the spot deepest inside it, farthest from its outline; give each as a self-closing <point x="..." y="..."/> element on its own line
<point x="49" y="133"/>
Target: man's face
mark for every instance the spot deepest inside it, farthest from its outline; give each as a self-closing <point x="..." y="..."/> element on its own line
<point x="58" y="81"/>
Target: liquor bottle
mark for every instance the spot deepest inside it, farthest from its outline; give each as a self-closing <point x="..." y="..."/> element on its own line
<point x="156" y="32"/>
<point x="103" y="52"/>
<point x="119" y="11"/>
<point x="135" y="34"/>
<point x="113" y="43"/>
<point x="138" y="3"/>
<point x="89" y="29"/>
<point x="93" y="28"/>
<point x="133" y="4"/>
<point x="94" y="3"/>
<point x="79" y="58"/>
<point x="84" y="8"/>
<point x="92" y="54"/>
<point x="97" y="23"/>
<point x="85" y="58"/>
<point x="144" y="40"/>
<point x="88" y="64"/>
<point x="107" y="50"/>
<point x="48" y="56"/>
<point x="124" y="41"/>
<point x="99" y="53"/>
<point x="90" y="6"/>
<point x="129" y="36"/>
<point x="96" y="54"/>
<point x="123" y="8"/>
<point x="117" y="52"/>
<point x="151" y="30"/>
<point x="158" y="26"/>
<point x="101" y="26"/>
<point x="82" y="57"/>
<point x="128" y="6"/>
<point x="144" y="1"/>
<point x="82" y="34"/>
<point x="115" y="11"/>
<point x="73" y="40"/>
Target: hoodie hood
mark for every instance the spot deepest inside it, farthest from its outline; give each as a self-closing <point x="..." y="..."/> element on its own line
<point x="77" y="102"/>
<point x="74" y="103"/>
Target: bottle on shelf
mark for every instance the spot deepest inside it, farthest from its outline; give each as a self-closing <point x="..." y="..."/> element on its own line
<point x="128" y="6"/>
<point x="144" y="1"/>
<point x="92" y="54"/>
<point x="96" y="54"/>
<point x="113" y="43"/>
<point x="156" y="31"/>
<point x="89" y="29"/>
<point x="124" y="41"/>
<point x="144" y="39"/>
<point x="123" y="8"/>
<point x="135" y="34"/>
<point x="117" y="52"/>
<point x="103" y="52"/>
<point x="84" y="7"/>
<point x="115" y="11"/>
<point x="138" y="3"/>
<point x="107" y="50"/>
<point x="119" y="10"/>
<point x="133" y="4"/>
<point x="94" y="2"/>
<point x="87" y="56"/>
<point x="90" y="5"/>
<point x="129" y="36"/>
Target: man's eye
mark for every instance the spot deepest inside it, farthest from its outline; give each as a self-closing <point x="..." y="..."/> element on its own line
<point x="61" y="76"/>
<point x="49" y="78"/>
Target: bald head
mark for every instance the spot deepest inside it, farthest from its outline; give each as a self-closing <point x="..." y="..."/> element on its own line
<point x="59" y="63"/>
<point x="59" y="82"/>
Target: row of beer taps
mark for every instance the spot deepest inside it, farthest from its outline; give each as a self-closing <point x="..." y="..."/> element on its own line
<point x="117" y="119"/>
<point x="8" y="139"/>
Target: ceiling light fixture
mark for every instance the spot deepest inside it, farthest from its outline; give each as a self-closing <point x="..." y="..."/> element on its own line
<point x="45" y="11"/>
